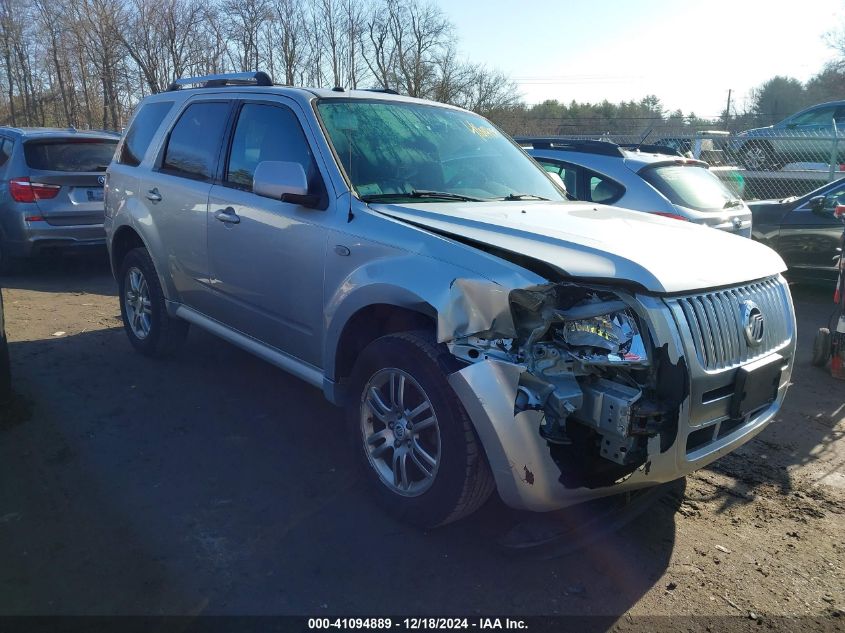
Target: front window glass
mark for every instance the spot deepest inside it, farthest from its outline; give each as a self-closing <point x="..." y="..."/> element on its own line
<point x="268" y="133"/>
<point x="394" y="150"/>
<point x="69" y="154"/>
<point x="834" y="198"/>
<point x="690" y="186"/>
<point x="604" y="190"/>
<point x="822" y="116"/>
<point x="567" y="173"/>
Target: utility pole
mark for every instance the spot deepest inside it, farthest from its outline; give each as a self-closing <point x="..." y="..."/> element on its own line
<point x="728" y="109"/>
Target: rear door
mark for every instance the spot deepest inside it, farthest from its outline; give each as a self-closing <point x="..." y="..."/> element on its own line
<point x="72" y="174"/>
<point x="175" y="194"/>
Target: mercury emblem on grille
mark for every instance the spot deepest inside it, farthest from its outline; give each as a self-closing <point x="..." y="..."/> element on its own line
<point x="752" y="323"/>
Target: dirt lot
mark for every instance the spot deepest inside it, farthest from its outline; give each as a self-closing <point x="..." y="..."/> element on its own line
<point x="214" y="483"/>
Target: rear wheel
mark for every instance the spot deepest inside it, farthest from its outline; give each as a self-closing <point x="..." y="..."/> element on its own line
<point x="412" y="436"/>
<point x="821" y="347"/>
<point x="142" y="305"/>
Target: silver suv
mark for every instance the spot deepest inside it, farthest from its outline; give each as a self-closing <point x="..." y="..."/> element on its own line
<point x="417" y="266"/>
<point x="51" y="190"/>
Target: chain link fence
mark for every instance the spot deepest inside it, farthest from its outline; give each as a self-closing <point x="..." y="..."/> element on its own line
<point x="756" y="165"/>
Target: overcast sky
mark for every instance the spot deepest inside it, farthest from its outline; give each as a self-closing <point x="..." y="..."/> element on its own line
<point x="687" y="53"/>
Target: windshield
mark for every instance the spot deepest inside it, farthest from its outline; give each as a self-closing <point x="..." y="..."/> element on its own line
<point x="395" y="150"/>
<point x="690" y="186"/>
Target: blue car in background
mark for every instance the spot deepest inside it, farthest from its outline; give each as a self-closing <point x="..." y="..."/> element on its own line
<point x="806" y="136"/>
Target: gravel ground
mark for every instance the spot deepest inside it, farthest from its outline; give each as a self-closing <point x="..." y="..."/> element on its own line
<point x="213" y="483"/>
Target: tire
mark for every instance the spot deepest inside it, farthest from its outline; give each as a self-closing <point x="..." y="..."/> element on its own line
<point x="757" y="156"/>
<point x="142" y="306"/>
<point x="821" y="347"/>
<point x="431" y="494"/>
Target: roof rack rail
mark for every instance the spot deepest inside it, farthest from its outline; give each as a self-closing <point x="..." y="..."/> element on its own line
<point x="389" y="91"/>
<point x="258" y="78"/>
<point x="605" y="148"/>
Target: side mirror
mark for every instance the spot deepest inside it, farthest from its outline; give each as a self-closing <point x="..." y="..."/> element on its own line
<point x="283" y="181"/>
<point x="816" y="204"/>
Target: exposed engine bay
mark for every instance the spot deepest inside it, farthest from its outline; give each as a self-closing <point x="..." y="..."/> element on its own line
<point x="590" y="367"/>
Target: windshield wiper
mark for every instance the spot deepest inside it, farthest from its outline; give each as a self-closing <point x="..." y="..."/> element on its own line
<point x="445" y="195"/>
<point x="733" y="203"/>
<point x="419" y="193"/>
<point x="523" y="196"/>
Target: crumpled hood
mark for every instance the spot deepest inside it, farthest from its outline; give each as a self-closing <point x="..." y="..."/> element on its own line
<point x="596" y="241"/>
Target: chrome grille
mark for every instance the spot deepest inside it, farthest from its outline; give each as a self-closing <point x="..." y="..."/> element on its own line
<point x="715" y="322"/>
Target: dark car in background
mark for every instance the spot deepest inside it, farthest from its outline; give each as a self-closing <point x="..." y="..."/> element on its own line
<point x="51" y="190"/>
<point x="806" y="136"/>
<point x="803" y="230"/>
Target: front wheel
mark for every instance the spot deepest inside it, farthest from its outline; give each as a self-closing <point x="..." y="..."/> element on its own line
<point x="414" y="440"/>
<point x="142" y="305"/>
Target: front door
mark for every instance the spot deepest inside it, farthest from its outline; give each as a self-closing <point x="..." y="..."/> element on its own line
<point x="267" y="256"/>
<point x="807" y="240"/>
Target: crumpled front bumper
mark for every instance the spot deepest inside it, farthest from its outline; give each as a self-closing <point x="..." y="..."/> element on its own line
<point x="526" y="475"/>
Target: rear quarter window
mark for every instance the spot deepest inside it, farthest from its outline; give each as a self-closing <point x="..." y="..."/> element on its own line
<point x="79" y="154"/>
<point x="140" y="134"/>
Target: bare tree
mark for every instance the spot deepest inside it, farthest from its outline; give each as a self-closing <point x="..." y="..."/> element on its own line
<point x="88" y="62"/>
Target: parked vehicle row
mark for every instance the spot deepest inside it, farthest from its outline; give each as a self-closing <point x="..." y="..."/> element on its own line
<point x="482" y="331"/>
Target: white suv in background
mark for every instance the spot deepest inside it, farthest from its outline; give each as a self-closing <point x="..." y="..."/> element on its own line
<point x="660" y="183"/>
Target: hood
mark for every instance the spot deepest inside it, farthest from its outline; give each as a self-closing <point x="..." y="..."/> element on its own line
<point x="594" y="241"/>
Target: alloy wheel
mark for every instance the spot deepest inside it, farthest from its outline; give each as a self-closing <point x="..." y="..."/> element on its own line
<point x="137" y="302"/>
<point x="400" y="432"/>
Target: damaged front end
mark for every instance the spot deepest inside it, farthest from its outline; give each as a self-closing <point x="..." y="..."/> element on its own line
<point x="575" y="392"/>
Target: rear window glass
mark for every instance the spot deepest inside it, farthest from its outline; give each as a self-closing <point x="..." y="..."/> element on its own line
<point x="69" y="154"/>
<point x="141" y="132"/>
<point x="689" y="186"/>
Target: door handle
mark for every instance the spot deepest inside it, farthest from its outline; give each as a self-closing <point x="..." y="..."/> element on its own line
<point x="227" y="216"/>
<point x="153" y="195"/>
